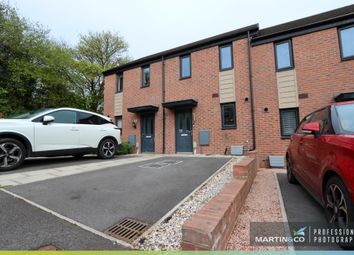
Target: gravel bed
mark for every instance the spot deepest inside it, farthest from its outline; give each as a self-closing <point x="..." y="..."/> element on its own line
<point x="168" y="235"/>
<point x="261" y="205"/>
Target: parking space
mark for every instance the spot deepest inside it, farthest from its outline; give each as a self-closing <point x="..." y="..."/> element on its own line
<point x="300" y="206"/>
<point x="25" y="227"/>
<point x="144" y="190"/>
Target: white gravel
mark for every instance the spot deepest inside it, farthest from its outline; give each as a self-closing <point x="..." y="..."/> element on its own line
<point x="261" y="205"/>
<point x="168" y="235"/>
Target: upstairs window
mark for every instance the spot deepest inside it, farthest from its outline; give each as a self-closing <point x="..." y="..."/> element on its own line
<point x="225" y="57"/>
<point x="289" y="120"/>
<point x="346" y="39"/>
<point x="185" y="66"/>
<point x="284" y="55"/>
<point x="146" y="77"/>
<point x="119" y="83"/>
<point x="228" y="115"/>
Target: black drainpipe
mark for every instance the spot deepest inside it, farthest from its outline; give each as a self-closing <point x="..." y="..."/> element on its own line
<point x="251" y="91"/>
<point x="163" y="108"/>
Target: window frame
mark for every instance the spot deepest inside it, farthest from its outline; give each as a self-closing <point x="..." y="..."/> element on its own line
<point x="220" y="58"/>
<point x="292" y="64"/>
<point x="339" y="30"/>
<point x="119" y="84"/>
<point x="180" y="66"/>
<point x="296" y="109"/>
<point x="142" y="76"/>
<point x="223" y="126"/>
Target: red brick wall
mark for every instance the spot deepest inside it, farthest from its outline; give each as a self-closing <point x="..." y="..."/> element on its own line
<point x="108" y="97"/>
<point x="200" y="87"/>
<point x="134" y="95"/>
<point x="320" y="73"/>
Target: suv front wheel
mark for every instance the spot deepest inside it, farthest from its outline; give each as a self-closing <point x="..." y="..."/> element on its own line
<point x="107" y="149"/>
<point x="12" y="154"/>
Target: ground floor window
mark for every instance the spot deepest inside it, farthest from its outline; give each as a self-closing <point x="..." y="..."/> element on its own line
<point x="289" y="120"/>
<point x="228" y="115"/>
<point x="119" y="122"/>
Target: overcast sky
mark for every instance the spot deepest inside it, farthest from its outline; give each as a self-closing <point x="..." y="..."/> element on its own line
<point x="150" y="26"/>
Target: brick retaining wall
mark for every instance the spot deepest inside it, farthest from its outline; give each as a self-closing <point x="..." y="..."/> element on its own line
<point x="210" y="228"/>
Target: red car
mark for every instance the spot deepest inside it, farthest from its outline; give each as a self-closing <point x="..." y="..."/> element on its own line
<point x="321" y="157"/>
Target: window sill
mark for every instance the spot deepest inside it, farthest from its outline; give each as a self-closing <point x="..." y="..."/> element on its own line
<point x="285" y="69"/>
<point x="226" y="69"/>
<point x="143" y="87"/>
<point x="228" y="128"/>
<point x="185" y="78"/>
<point x="118" y="92"/>
<point x="285" y="137"/>
<point x="347" y="58"/>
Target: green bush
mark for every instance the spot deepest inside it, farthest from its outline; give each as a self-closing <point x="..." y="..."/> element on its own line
<point x="125" y="148"/>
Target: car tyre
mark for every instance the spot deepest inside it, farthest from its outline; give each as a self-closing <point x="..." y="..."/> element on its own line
<point x="339" y="208"/>
<point x="107" y="149"/>
<point x="12" y="154"/>
<point x="289" y="172"/>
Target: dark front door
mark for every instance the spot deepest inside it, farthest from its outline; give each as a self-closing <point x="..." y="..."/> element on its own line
<point x="184" y="140"/>
<point x="147" y="133"/>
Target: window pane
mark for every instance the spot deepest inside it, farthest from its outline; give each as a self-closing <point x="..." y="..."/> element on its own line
<point x="289" y="121"/>
<point x="226" y="57"/>
<point x="188" y="123"/>
<point x="283" y="55"/>
<point x="185" y="66"/>
<point x="347" y="40"/>
<point x="229" y="115"/>
<point x="119" y="85"/>
<point x="146" y="76"/>
<point x="68" y="117"/>
<point x="119" y="121"/>
<point x="90" y="119"/>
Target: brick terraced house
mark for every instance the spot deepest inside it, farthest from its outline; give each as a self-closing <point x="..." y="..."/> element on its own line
<point x="248" y="87"/>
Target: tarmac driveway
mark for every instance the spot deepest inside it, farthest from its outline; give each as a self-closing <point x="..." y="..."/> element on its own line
<point x="144" y="190"/>
<point x="300" y="206"/>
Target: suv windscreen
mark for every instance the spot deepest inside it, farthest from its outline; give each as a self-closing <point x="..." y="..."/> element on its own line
<point x="31" y="114"/>
<point x="346" y="117"/>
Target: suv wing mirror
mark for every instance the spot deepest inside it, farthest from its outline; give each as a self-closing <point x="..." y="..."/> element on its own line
<point x="47" y="119"/>
<point x="312" y="128"/>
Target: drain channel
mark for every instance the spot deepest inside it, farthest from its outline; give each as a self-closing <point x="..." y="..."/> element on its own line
<point x="127" y="229"/>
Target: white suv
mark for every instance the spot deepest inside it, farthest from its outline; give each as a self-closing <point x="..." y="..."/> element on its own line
<point x="56" y="132"/>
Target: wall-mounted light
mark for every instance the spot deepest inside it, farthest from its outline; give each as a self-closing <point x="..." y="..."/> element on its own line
<point x="246" y="99"/>
<point x="266" y="109"/>
<point x="134" y="123"/>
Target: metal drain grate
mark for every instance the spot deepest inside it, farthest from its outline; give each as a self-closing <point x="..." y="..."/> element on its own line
<point x="127" y="229"/>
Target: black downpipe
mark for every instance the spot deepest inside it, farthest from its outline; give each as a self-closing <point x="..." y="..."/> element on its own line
<point x="163" y="108"/>
<point x="251" y="91"/>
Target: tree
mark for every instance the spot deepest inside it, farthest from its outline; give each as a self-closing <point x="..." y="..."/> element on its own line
<point x="95" y="53"/>
<point x="35" y="71"/>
